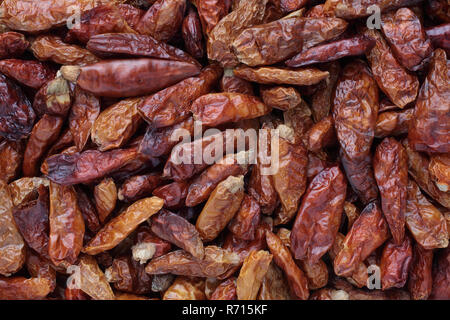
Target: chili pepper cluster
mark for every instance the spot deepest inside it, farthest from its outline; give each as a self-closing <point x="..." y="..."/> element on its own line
<point x="95" y="204"/>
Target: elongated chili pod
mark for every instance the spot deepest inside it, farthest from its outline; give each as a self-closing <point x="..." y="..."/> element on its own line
<point x="221" y="37"/>
<point x="420" y="282"/>
<point x="192" y="34"/>
<point x="425" y="222"/>
<point x="172" y="105"/>
<point x="186" y="160"/>
<point x="289" y="180"/>
<point x="368" y="232"/>
<point x="283" y="98"/>
<point x="103" y="18"/>
<point x="53" y="48"/>
<point x="439" y="36"/>
<point x="83" y="113"/>
<point x="26" y="16"/>
<point x="33" y="74"/>
<point x="406" y="36"/>
<point x="12" y="44"/>
<point x="136" y="45"/>
<point x="12" y="245"/>
<point x="202" y="186"/>
<point x="16" y="114"/>
<point x="160" y="141"/>
<point x="122" y="225"/>
<point x="221" y="207"/>
<point x="20" y="288"/>
<point x="115" y="125"/>
<point x="319" y="216"/>
<point x="177" y="230"/>
<point x="388" y="72"/>
<point x="352" y="9"/>
<point x="43" y="135"/>
<point x="216" y="108"/>
<point x="216" y="262"/>
<point x="391" y="172"/>
<point x="211" y="12"/>
<point x="69" y="169"/>
<point x="393" y="123"/>
<point x="138" y="186"/>
<point x="275" y="75"/>
<point x="66" y="225"/>
<point x="431" y="120"/>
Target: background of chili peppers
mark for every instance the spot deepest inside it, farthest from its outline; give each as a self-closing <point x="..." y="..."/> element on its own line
<point x="89" y="181"/>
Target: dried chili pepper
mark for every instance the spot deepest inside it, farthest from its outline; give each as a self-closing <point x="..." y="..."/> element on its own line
<point x="163" y="19"/>
<point x="319" y="216"/>
<point x="121" y="226"/>
<point x="12" y="245"/>
<point x="12" y="44"/>
<point x="172" y="105"/>
<point x="276" y="41"/>
<point x="192" y="34"/>
<point x="24" y="15"/>
<point x="66" y="225"/>
<point x="53" y="48"/>
<point x="135" y="45"/>
<point x="430" y="126"/>
<point x="16" y="114"/>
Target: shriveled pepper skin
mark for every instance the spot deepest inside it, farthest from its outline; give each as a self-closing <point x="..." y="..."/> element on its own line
<point x="133" y="77"/>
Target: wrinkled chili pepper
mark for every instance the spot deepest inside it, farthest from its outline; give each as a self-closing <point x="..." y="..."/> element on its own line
<point x="224" y="150"/>
<point x="113" y="78"/>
